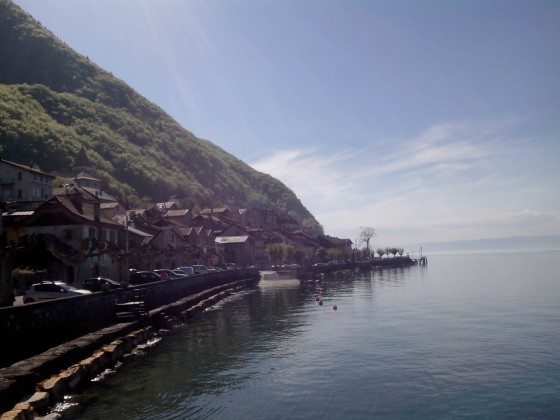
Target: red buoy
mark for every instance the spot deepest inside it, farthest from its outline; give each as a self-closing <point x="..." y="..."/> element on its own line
<point x="335" y="307"/>
<point x="320" y="303"/>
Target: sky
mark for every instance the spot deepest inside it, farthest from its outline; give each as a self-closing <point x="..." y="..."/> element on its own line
<point x="425" y="120"/>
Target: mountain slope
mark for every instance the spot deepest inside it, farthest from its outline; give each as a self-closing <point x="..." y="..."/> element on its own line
<point x="54" y="100"/>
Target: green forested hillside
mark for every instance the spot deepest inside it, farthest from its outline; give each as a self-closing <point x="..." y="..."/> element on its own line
<point x="54" y="100"/>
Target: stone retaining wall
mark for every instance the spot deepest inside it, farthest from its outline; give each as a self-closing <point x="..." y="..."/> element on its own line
<point x="32" y="328"/>
<point x="31" y="387"/>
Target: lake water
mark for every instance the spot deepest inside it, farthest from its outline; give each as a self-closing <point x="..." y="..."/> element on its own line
<point x="467" y="336"/>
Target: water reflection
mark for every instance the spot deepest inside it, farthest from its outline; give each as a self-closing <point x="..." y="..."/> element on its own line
<point x="405" y="342"/>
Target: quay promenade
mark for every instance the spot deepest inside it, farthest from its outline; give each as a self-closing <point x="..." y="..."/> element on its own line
<point x="85" y="334"/>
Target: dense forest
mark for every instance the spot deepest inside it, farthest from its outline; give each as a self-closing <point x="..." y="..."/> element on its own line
<point x="53" y="101"/>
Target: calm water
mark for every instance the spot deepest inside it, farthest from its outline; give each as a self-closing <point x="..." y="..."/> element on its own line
<point x="468" y="336"/>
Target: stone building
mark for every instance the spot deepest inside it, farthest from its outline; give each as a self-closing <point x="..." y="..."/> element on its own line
<point x="23" y="183"/>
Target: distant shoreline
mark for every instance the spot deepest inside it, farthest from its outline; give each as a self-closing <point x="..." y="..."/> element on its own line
<point x="493" y="245"/>
<point x="441" y="253"/>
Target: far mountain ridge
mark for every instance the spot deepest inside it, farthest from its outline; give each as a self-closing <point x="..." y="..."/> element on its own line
<point x="54" y="101"/>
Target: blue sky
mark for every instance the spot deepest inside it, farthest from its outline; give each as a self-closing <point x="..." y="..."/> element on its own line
<point x="426" y="120"/>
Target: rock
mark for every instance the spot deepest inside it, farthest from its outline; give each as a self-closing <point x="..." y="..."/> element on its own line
<point x="39" y="402"/>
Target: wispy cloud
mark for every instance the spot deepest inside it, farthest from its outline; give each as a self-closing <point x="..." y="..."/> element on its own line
<point x="315" y="175"/>
<point x="451" y="146"/>
<point x="446" y="183"/>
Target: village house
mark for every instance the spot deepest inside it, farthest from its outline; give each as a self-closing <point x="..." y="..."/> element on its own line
<point x="200" y="244"/>
<point x="169" y="247"/>
<point x="264" y="219"/>
<point x="286" y="223"/>
<point x="210" y="221"/>
<point x="236" y="249"/>
<point x="166" y="206"/>
<point x="112" y="209"/>
<point x="89" y="233"/>
<point x="179" y="216"/>
<point x="84" y="243"/>
<point x="305" y="244"/>
<point x="222" y="212"/>
<point x="23" y="183"/>
<point x="331" y="242"/>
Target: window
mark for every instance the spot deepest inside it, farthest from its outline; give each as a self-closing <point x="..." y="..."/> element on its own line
<point x="19" y="195"/>
<point x="19" y="176"/>
<point x="91" y="233"/>
<point x="112" y="236"/>
<point x="103" y="235"/>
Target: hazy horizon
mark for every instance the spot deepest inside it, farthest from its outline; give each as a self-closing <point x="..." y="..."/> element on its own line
<point x="507" y="244"/>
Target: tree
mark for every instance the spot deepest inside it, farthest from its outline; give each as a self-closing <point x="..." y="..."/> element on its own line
<point x="381" y="252"/>
<point x="275" y="252"/>
<point x="334" y="255"/>
<point x="321" y="254"/>
<point x="299" y="255"/>
<point x="400" y="251"/>
<point x="289" y="252"/>
<point x="366" y="233"/>
<point x="392" y="250"/>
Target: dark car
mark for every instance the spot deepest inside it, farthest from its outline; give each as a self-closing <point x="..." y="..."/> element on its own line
<point x="143" y="277"/>
<point x="96" y="284"/>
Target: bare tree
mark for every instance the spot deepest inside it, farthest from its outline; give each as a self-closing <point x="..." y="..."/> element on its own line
<point x="366" y="233"/>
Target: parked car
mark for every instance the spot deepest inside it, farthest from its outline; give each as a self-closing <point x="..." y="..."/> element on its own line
<point x="200" y="269"/>
<point x="231" y="266"/>
<point x="47" y="290"/>
<point x="164" y="273"/>
<point x="143" y="277"/>
<point x="179" y="273"/>
<point x="290" y="266"/>
<point x="188" y="270"/>
<point x="96" y="284"/>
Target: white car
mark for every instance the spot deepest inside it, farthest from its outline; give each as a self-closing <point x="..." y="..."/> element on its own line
<point x="200" y="269"/>
<point x="187" y="270"/>
<point x="179" y="273"/>
<point x="47" y="290"/>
